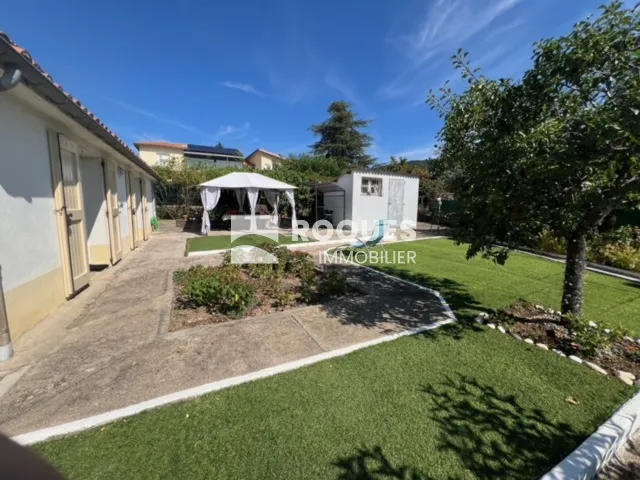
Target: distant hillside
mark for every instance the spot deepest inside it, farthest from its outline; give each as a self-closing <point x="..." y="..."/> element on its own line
<point x="422" y="163"/>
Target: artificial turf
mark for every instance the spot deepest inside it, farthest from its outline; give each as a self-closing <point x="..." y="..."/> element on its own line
<point x="457" y="403"/>
<point x="480" y="284"/>
<point x="222" y="242"/>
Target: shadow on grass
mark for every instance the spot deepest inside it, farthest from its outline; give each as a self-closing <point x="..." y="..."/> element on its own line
<point x="395" y="303"/>
<point x="492" y="436"/>
<point x="372" y="464"/>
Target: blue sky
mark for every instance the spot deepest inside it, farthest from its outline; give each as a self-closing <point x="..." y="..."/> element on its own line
<point x="256" y="74"/>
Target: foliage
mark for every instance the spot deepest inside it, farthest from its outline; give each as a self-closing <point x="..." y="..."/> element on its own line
<point x="430" y="187"/>
<point x="618" y="248"/>
<point x="180" y="180"/>
<point x="155" y="223"/>
<point x="558" y="148"/>
<point x="547" y="242"/>
<point x="592" y="339"/>
<point x="332" y="283"/>
<point x="315" y="167"/>
<point x="341" y="136"/>
<point x="221" y="289"/>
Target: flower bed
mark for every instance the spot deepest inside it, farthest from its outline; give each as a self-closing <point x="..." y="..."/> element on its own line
<point x="204" y="295"/>
<point x="606" y="350"/>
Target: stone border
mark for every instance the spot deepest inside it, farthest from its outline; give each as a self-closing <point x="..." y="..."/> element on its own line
<point x="625" y="377"/>
<point x="594" y="453"/>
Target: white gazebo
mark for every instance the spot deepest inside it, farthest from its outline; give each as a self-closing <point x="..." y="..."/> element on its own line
<point x="245" y="185"/>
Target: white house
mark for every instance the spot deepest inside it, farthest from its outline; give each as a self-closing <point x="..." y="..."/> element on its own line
<point x="364" y="196"/>
<point x="73" y="195"/>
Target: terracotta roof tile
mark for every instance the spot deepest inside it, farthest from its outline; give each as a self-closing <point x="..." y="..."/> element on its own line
<point x="25" y="53"/>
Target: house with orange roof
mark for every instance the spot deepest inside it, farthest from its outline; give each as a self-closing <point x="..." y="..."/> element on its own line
<point x="158" y="153"/>
<point x="73" y="196"/>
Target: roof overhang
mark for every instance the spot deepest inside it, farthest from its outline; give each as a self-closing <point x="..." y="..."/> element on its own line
<point x="43" y="85"/>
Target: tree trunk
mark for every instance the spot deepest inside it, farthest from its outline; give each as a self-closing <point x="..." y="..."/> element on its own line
<point x="575" y="269"/>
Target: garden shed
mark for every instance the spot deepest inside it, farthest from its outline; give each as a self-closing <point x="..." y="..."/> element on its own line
<point x="365" y="196"/>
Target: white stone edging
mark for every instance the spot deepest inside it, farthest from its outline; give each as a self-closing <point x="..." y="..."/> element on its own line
<point x="594" y="453"/>
<point x="191" y="393"/>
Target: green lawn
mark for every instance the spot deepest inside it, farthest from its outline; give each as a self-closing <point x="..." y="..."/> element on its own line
<point x="480" y="284"/>
<point x="221" y="242"/>
<point x="458" y="403"/>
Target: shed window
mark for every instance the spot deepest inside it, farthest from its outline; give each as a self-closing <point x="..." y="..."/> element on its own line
<point x="371" y="186"/>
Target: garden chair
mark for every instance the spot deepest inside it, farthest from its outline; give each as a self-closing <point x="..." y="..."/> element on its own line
<point x="379" y="231"/>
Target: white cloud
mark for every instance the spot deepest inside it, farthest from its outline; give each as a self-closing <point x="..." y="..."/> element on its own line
<point x="230" y="130"/>
<point x="347" y="91"/>
<point x="451" y="23"/>
<point x="418" y="153"/>
<point x="245" y="87"/>
<point x="446" y="26"/>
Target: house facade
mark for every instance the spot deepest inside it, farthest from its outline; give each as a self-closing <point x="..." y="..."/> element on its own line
<point x="73" y="195"/>
<point x="154" y="153"/>
<point x="263" y="160"/>
<point x="365" y="196"/>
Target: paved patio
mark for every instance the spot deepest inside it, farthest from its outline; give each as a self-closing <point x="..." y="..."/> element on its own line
<point x="107" y="348"/>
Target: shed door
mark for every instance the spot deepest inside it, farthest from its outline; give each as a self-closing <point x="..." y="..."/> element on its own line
<point x="396" y="201"/>
<point x="74" y="210"/>
<point x="113" y="210"/>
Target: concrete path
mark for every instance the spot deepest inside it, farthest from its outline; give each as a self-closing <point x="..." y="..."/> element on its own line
<point x="106" y="349"/>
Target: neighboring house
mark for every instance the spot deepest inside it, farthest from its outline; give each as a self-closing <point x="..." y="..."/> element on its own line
<point x="263" y="159"/>
<point x="73" y="195"/>
<point x="154" y="153"/>
<point x="364" y="196"/>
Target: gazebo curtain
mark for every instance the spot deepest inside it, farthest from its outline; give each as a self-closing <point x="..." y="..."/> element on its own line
<point x="272" y="197"/>
<point x="294" y="220"/>
<point x="210" y="197"/>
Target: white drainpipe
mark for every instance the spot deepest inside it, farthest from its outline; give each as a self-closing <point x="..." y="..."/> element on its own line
<point x="6" y="349"/>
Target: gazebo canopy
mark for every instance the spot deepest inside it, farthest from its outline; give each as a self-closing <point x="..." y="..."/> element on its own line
<point x="245" y="184"/>
<point x="247" y="180"/>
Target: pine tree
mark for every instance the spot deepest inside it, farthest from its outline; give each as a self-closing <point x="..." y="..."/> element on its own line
<point x="341" y="136"/>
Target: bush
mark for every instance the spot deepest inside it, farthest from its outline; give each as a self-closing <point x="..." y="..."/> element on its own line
<point x="222" y="289"/>
<point x="155" y="223"/>
<point x="332" y="283"/>
<point x="592" y="339"/>
<point x="548" y="243"/>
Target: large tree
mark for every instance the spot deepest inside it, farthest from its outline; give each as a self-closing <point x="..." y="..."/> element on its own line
<point x="558" y="149"/>
<point x="341" y="136"/>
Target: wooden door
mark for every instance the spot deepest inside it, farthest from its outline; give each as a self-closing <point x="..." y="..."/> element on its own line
<point x="113" y="212"/>
<point x="74" y="213"/>
<point x="133" y="208"/>
<point x="145" y="208"/>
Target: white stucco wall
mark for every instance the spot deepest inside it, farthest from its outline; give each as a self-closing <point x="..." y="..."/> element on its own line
<point x="123" y="202"/>
<point x="95" y="206"/>
<point x="28" y="231"/>
<point x="335" y="202"/>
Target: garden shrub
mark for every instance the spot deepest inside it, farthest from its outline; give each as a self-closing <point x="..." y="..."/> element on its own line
<point x="592" y="340"/>
<point x="221" y="289"/>
<point x="332" y="283"/>
<point x="155" y="223"/>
